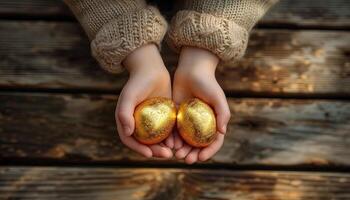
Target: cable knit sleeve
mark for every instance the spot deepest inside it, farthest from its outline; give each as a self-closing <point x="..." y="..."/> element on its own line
<point x="117" y="27"/>
<point x="220" y="26"/>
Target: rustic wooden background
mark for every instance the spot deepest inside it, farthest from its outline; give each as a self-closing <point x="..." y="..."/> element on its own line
<point x="289" y="136"/>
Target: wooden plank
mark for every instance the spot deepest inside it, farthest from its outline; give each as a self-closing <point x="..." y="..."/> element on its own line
<point x="80" y="128"/>
<point x="171" y="184"/>
<point x="291" y="62"/>
<point x="59" y="58"/>
<point x="311" y="13"/>
<point x="277" y="61"/>
<point x="34" y="8"/>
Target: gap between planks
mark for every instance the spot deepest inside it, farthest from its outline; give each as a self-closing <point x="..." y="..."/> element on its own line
<point x="171" y="184"/>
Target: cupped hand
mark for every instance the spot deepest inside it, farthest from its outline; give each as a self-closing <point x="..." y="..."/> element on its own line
<point x="195" y="77"/>
<point x="148" y="78"/>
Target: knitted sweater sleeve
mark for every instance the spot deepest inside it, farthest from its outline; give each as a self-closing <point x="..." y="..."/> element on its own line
<point x="220" y="26"/>
<point x="117" y="27"/>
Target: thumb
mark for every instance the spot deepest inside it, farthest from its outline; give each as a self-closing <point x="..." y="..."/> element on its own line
<point x="222" y="111"/>
<point x="215" y="96"/>
<point x="125" y="115"/>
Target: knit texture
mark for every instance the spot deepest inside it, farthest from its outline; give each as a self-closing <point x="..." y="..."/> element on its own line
<point x="220" y="26"/>
<point x="118" y="27"/>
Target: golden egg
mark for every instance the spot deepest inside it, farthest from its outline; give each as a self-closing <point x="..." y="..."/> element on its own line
<point x="196" y="123"/>
<point x="154" y="120"/>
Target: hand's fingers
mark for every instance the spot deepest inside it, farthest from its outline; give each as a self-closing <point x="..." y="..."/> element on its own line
<point x="209" y="151"/>
<point x="178" y="143"/>
<point x="169" y="142"/>
<point x="192" y="157"/>
<point x="182" y="152"/>
<point x="130" y="142"/>
<point x="222" y="111"/>
<point x="161" y="152"/>
<point x="124" y="113"/>
<point x="135" y="91"/>
<point x="212" y="93"/>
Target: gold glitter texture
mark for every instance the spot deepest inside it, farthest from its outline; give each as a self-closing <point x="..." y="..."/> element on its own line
<point x="196" y="123"/>
<point x="154" y="120"/>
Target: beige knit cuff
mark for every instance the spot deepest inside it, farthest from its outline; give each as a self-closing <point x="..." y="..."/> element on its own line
<point x="221" y="36"/>
<point x="118" y="38"/>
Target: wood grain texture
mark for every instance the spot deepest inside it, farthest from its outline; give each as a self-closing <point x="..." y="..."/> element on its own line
<point x="34" y="8"/>
<point x="287" y="62"/>
<point x="80" y="128"/>
<point x="314" y="13"/>
<point x="59" y="58"/>
<point x="277" y="61"/>
<point x="310" y="13"/>
<point x="170" y="184"/>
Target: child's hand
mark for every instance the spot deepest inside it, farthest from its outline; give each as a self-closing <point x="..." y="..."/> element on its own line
<point x="195" y="77"/>
<point x="148" y="78"/>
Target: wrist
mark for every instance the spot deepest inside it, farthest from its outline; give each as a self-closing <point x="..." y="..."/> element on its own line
<point x="146" y="63"/>
<point x="197" y="60"/>
<point x="144" y="59"/>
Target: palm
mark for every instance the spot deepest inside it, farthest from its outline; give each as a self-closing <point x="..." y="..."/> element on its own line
<point x="207" y="89"/>
<point x="148" y="78"/>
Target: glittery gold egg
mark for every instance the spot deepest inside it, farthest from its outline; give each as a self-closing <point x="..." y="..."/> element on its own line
<point x="196" y="123"/>
<point x="154" y="120"/>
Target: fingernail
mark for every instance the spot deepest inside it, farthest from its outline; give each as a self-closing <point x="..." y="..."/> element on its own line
<point x="148" y="154"/>
<point x="224" y="127"/>
<point x="127" y="130"/>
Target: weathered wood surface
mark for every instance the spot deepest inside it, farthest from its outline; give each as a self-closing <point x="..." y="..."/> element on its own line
<point x="170" y="184"/>
<point x="36" y="8"/>
<point x="80" y="128"/>
<point x="277" y="61"/>
<point x="50" y="55"/>
<point x="310" y="13"/>
<point x="314" y="13"/>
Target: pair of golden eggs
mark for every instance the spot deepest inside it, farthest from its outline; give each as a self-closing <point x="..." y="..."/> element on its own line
<point x="155" y="119"/>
